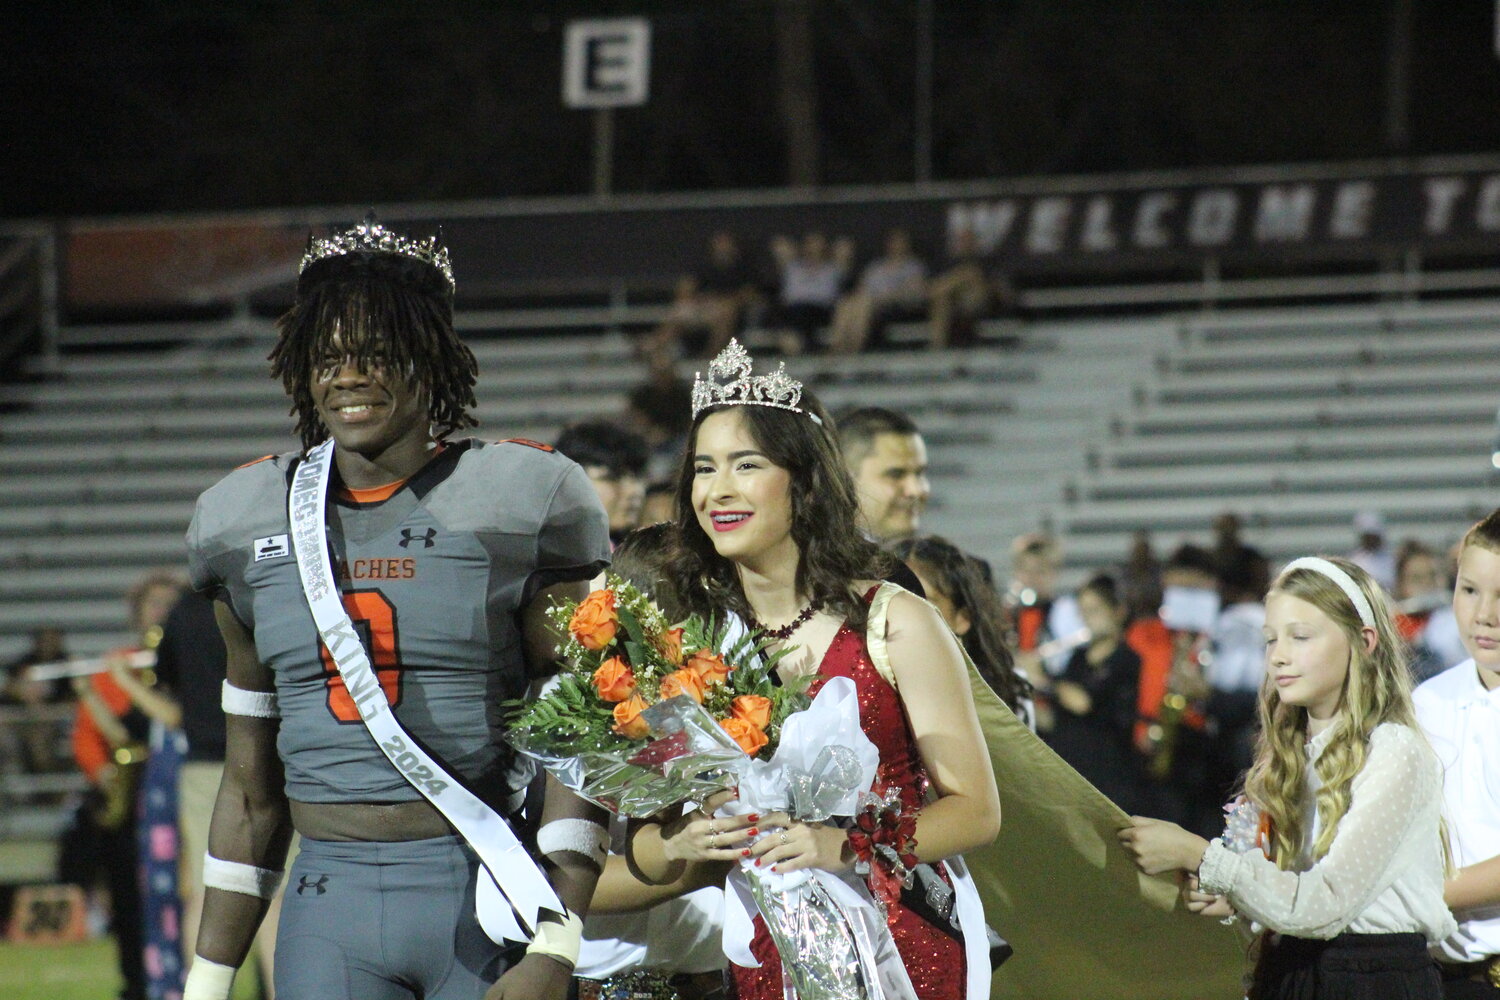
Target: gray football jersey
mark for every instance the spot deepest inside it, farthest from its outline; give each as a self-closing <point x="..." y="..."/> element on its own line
<point x="434" y="578"/>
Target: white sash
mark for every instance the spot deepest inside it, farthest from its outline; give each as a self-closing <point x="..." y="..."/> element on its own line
<point x="510" y="884"/>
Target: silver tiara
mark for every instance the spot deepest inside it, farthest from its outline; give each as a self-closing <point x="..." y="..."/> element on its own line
<point x="730" y="383"/>
<point x="371" y="237"/>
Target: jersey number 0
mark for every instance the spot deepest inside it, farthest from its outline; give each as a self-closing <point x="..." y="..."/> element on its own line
<point x="374" y="618"/>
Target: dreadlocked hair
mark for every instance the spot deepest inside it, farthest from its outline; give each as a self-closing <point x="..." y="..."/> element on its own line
<point x="1377" y="689"/>
<point x="389" y="313"/>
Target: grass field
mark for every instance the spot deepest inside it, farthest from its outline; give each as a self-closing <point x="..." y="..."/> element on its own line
<point x="76" y="972"/>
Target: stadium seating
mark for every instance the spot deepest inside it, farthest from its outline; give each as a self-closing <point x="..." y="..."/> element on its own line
<point x="1293" y="418"/>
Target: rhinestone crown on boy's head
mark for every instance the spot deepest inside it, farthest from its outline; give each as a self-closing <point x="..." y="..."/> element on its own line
<point x="730" y="383"/>
<point x="371" y="237"/>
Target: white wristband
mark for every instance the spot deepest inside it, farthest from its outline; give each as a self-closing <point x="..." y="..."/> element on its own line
<point x="580" y="836"/>
<point x="208" y="981"/>
<point x="256" y="704"/>
<point x="236" y="876"/>
<point x="561" y="941"/>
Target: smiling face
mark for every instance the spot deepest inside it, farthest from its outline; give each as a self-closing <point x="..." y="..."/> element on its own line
<point x="892" y="484"/>
<point x="742" y="500"/>
<point x="374" y="415"/>
<point x="1476" y="605"/>
<point x="1307" y="655"/>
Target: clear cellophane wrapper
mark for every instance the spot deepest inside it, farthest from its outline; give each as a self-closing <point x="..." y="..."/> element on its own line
<point x="689" y="758"/>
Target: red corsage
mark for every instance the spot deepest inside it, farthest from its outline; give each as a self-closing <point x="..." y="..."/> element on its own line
<point x="884" y="842"/>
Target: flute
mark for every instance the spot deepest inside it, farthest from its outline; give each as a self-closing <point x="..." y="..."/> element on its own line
<point x="85" y="667"/>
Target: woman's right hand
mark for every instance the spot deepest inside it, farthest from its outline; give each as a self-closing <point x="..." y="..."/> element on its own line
<point x="701" y="836"/>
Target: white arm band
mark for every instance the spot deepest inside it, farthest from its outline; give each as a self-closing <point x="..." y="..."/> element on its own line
<point x="236" y="876"/>
<point x="560" y="941"/>
<point x="257" y="704"/>
<point x="580" y="836"/>
<point x="208" y="981"/>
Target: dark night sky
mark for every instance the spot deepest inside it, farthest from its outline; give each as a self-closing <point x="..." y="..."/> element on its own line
<point x="184" y="106"/>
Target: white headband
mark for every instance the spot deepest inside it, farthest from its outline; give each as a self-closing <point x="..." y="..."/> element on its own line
<point x="1344" y="580"/>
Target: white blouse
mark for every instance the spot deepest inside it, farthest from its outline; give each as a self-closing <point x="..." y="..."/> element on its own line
<point x="1383" y="874"/>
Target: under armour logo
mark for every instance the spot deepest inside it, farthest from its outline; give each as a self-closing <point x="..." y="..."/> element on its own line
<point x="426" y="538"/>
<point x="303" y="885"/>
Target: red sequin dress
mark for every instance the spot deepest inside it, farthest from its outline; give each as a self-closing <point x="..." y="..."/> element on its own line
<point x="934" y="958"/>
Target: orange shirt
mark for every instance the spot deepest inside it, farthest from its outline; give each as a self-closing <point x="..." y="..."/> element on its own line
<point x="90" y="748"/>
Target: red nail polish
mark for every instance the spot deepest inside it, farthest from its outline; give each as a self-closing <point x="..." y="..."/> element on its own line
<point x="773" y="868"/>
<point x="754" y="817"/>
<point x="745" y="853"/>
<point x="752" y="831"/>
<point x="757" y="862"/>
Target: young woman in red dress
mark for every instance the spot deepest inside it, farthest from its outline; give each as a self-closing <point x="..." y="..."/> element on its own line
<point x="766" y="515"/>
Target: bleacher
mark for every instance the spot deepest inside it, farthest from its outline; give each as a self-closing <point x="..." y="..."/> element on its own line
<point x="1095" y="428"/>
<point x="1297" y="418"/>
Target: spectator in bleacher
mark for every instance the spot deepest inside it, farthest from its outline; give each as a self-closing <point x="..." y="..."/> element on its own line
<point x="1140" y="576"/>
<point x="887" y="458"/>
<point x="1421" y="591"/>
<point x="1441" y="634"/>
<point x="957" y="586"/>
<point x="963" y="292"/>
<point x="709" y="306"/>
<point x="116" y="709"/>
<point x="812" y="276"/>
<point x="891" y="288"/>
<point x="1372" y="554"/>
<point x="615" y="460"/>
<point x="657" y="409"/>
<point x="1095" y="699"/>
<point x="36" y="739"/>
<point x="1228" y="548"/>
<point x="660" y="504"/>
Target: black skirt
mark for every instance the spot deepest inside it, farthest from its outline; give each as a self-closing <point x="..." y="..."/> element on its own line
<point x="1347" y="967"/>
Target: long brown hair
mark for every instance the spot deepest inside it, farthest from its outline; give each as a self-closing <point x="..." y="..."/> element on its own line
<point x="1377" y="689"/>
<point x="962" y="579"/>
<point x="825" y="518"/>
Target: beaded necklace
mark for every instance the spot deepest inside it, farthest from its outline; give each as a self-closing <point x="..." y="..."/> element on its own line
<point x="790" y="627"/>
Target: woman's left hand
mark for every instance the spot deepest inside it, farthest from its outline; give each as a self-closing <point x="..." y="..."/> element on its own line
<point x="799" y="845"/>
<point x="1159" y="846"/>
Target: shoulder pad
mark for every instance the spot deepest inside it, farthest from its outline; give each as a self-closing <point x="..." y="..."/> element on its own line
<point x="528" y="443"/>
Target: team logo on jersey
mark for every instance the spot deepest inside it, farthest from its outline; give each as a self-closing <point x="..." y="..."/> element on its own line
<point x="305" y="884"/>
<point x="271" y="547"/>
<point x="409" y="535"/>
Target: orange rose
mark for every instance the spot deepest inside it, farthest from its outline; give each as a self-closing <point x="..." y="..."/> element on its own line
<point x="613" y="680"/>
<point x="628" y="721"/>
<point x="752" y="708"/>
<point x="749" y="737"/>
<point x="670" y="646"/>
<point x="683" y="681"/>
<point x="594" y="620"/>
<point x="708" y="666"/>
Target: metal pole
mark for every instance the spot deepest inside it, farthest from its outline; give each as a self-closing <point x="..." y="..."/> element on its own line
<point x="1398" y="76"/>
<point x="604" y="151"/>
<point x="48" y="266"/>
<point x="922" y="119"/>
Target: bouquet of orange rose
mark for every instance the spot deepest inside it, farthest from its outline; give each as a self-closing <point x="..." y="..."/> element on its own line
<point x="646" y="714"/>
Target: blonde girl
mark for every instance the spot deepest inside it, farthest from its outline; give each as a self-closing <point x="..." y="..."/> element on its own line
<point x="1348" y="871"/>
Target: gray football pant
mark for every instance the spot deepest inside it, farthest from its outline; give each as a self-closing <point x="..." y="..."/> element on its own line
<point x="383" y="921"/>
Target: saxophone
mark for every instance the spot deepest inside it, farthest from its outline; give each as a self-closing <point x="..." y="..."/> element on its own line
<point x="120" y="782"/>
<point x="1190" y="657"/>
